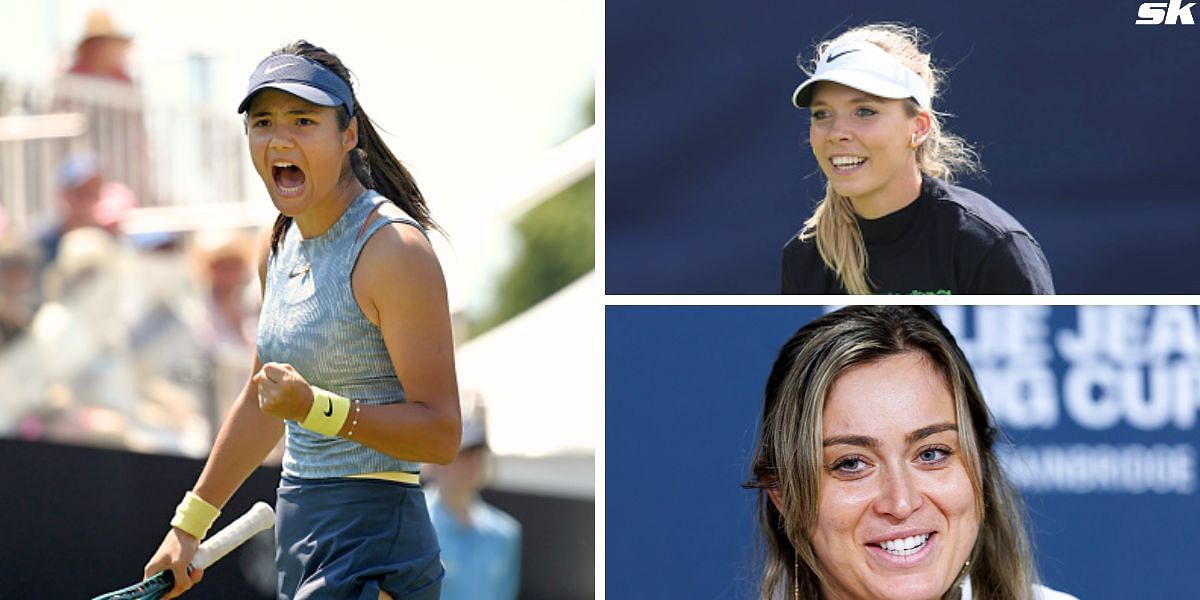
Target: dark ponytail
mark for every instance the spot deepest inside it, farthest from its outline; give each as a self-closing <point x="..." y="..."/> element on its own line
<point x="371" y="160"/>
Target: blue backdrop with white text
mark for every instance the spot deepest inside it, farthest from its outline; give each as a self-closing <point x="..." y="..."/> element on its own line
<point x="1086" y="123"/>
<point x="1101" y="403"/>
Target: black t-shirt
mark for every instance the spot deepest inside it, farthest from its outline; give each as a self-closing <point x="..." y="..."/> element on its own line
<point x="949" y="241"/>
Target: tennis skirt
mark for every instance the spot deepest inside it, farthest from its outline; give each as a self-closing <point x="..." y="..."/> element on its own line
<point x="341" y="539"/>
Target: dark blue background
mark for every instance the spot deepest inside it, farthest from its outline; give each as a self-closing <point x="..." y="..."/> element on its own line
<point x="683" y="398"/>
<point x="1086" y="124"/>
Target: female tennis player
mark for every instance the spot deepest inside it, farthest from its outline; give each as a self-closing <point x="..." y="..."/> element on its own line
<point x="876" y="471"/>
<point x="355" y="359"/>
<point x="891" y="221"/>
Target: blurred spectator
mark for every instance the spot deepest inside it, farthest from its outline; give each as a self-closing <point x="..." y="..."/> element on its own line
<point x="19" y="295"/>
<point x="224" y="261"/>
<point x="226" y="266"/>
<point x="79" y="184"/>
<point x="481" y="545"/>
<point x="86" y="200"/>
<point x="102" y="50"/>
<point x="99" y="86"/>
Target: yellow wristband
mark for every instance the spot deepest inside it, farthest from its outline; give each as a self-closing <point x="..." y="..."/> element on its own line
<point x="328" y="412"/>
<point x="195" y="516"/>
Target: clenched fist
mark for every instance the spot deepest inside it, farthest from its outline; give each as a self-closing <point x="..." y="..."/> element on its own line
<point x="283" y="392"/>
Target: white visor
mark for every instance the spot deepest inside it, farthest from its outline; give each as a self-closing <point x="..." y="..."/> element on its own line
<point x="866" y="67"/>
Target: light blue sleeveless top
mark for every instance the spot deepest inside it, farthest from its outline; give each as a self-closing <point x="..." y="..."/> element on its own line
<point x="311" y="321"/>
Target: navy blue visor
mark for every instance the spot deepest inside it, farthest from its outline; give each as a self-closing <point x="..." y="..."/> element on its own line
<point x="301" y="77"/>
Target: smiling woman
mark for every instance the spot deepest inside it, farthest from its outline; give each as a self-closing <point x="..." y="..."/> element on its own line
<point x="891" y="221"/>
<point x="876" y="472"/>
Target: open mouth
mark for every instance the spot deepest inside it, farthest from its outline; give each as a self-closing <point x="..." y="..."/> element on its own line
<point x="289" y="178"/>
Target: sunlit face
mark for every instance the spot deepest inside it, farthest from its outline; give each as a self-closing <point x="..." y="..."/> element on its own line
<point x="105" y="54"/>
<point x="111" y="53"/>
<point x="863" y="142"/>
<point x="297" y="149"/>
<point x="897" y="510"/>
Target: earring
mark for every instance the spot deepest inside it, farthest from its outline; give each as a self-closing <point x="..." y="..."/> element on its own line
<point x="913" y="142"/>
<point x="795" y="575"/>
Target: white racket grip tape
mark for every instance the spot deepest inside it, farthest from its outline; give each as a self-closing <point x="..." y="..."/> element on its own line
<point x="260" y="517"/>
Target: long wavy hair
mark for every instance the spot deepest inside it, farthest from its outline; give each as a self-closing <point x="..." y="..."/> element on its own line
<point x="789" y="450"/>
<point x="942" y="154"/>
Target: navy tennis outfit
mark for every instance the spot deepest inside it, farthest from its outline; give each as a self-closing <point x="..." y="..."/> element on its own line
<point x="950" y="240"/>
<point x="338" y="536"/>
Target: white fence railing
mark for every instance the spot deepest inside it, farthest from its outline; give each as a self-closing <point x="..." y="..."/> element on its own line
<point x="167" y="155"/>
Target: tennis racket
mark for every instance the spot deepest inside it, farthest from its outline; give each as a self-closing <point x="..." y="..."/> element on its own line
<point x="260" y="517"/>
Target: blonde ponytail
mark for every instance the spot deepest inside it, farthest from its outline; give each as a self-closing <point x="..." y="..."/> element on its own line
<point x="839" y="241"/>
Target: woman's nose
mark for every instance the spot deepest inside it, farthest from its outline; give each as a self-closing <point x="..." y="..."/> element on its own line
<point x="281" y="140"/>
<point x="899" y="496"/>
<point x="838" y="130"/>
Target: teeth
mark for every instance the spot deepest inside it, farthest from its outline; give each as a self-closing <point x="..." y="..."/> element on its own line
<point x="905" y="546"/>
<point x="847" y="161"/>
<point x="283" y="164"/>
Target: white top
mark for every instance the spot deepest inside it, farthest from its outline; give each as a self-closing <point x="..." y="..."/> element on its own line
<point x="1040" y="592"/>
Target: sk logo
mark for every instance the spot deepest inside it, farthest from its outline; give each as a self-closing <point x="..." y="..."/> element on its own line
<point x="1165" y="13"/>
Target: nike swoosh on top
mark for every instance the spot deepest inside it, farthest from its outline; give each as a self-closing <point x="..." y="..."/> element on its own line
<point x="828" y="60"/>
<point x="278" y="67"/>
<point x="329" y="413"/>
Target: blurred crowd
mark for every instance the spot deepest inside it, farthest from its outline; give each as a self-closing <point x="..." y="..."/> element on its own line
<point x="139" y="341"/>
<point x="133" y="341"/>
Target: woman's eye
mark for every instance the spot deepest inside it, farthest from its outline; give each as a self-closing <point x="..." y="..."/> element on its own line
<point x="260" y="123"/>
<point x="865" y="112"/>
<point x="818" y="115"/>
<point x="849" y="466"/>
<point x="933" y="455"/>
<point x="304" y="121"/>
